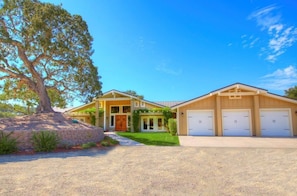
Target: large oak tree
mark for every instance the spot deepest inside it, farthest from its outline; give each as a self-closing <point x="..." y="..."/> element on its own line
<point x="44" y="47"/>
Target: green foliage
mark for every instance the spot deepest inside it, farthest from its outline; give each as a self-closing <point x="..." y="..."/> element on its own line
<point x="172" y="126"/>
<point x="157" y="139"/>
<point x="108" y="141"/>
<point x="88" y="145"/>
<point x="134" y="93"/>
<point x="8" y="144"/>
<point x="167" y="113"/>
<point x="45" y="141"/>
<point x="135" y="121"/>
<point x="291" y="92"/>
<point x="92" y="113"/>
<point x="45" y="53"/>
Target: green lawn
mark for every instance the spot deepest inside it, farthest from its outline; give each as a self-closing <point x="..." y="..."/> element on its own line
<point x="157" y="139"/>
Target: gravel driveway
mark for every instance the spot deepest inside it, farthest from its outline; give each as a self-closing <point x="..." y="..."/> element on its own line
<point x="150" y="170"/>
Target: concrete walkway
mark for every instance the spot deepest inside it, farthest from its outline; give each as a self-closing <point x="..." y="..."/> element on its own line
<point x="123" y="141"/>
<point x="248" y="142"/>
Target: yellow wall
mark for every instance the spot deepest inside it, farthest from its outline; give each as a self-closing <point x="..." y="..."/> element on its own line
<point x="253" y="103"/>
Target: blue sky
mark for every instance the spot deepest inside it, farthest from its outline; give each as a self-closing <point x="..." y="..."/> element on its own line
<point x="177" y="50"/>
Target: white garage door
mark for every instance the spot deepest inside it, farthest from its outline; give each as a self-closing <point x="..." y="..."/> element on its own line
<point x="236" y="123"/>
<point x="275" y="123"/>
<point x="200" y="122"/>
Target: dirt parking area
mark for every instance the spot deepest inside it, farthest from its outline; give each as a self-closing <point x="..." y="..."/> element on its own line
<point x="150" y="170"/>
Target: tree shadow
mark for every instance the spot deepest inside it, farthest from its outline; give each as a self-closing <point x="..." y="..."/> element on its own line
<point x="92" y="152"/>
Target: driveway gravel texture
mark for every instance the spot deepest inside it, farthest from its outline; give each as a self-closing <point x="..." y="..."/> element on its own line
<point x="152" y="170"/>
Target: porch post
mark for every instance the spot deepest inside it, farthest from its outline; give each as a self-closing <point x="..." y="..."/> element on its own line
<point x="97" y="112"/>
<point x="104" y="115"/>
<point x="218" y="116"/>
<point x="257" y="116"/>
<point x="132" y="111"/>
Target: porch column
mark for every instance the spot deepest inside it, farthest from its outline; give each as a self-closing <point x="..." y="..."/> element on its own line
<point x="132" y="111"/>
<point x="218" y="116"/>
<point x="257" y="116"/>
<point x="177" y="121"/>
<point x="104" y="115"/>
<point x="97" y="112"/>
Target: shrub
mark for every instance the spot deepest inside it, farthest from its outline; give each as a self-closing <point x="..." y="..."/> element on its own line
<point x="108" y="141"/>
<point x="167" y="113"/>
<point x="45" y="141"/>
<point x="88" y="145"/>
<point x="135" y="121"/>
<point x="105" y="143"/>
<point x="7" y="143"/>
<point x="172" y="126"/>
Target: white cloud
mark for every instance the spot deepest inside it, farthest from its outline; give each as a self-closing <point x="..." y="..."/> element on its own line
<point x="162" y="67"/>
<point x="280" y="36"/>
<point x="281" y="79"/>
<point x="249" y="42"/>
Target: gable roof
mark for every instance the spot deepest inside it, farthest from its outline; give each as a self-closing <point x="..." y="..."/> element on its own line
<point x="222" y="91"/>
<point x="113" y="92"/>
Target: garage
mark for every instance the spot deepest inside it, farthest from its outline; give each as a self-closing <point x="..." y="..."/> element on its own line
<point x="236" y="123"/>
<point x="275" y="122"/>
<point x="200" y="122"/>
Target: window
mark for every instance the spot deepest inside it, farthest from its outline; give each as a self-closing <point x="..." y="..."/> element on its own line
<point x="112" y="121"/>
<point x="160" y="124"/>
<point x="151" y="124"/>
<point x="126" y="109"/>
<point x="145" y="124"/>
<point x="142" y="104"/>
<point x="136" y="103"/>
<point x="115" y="109"/>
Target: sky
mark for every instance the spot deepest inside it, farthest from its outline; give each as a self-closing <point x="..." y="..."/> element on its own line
<point x="176" y="50"/>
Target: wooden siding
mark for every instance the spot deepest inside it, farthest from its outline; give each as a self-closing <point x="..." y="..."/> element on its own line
<point x="253" y="103"/>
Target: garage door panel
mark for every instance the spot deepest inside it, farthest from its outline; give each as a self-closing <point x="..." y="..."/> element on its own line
<point x="200" y="123"/>
<point x="236" y="123"/>
<point x="275" y="123"/>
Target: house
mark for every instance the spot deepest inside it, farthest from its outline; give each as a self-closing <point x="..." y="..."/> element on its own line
<point x="115" y="110"/>
<point x="234" y="110"/>
<point x="238" y="110"/>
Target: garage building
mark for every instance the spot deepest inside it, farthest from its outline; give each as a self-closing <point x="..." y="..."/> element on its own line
<point x="238" y="110"/>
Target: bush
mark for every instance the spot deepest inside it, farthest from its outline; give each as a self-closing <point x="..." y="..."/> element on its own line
<point x="172" y="126"/>
<point x="7" y="143"/>
<point x="108" y="141"/>
<point x="45" y="141"/>
<point x="135" y="121"/>
<point x="88" y="145"/>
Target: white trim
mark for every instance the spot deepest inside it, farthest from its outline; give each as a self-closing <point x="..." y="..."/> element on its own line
<point x="155" y="124"/>
<point x="177" y="120"/>
<point x="213" y="119"/>
<point x="136" y="104"/>
<point x="104" y="115"/>
<point x="142" y="104"/>
<point x="219" y="92"/>
<point x="238" y="110"/>
<point x="279" y="109"/>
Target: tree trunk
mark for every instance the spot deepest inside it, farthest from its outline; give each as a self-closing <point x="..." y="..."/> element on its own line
<point x="44" y="100"/>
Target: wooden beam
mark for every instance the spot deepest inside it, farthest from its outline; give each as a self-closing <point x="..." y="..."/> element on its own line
<point x="237" y="94"/>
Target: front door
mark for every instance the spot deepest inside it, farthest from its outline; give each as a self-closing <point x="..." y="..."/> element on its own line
<point x="121" y="123"/>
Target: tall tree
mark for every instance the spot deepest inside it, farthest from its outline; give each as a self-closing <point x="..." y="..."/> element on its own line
<point x="43" y="47"/>
<point x="134" y="93"/>
<point x="291" y="92"/>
